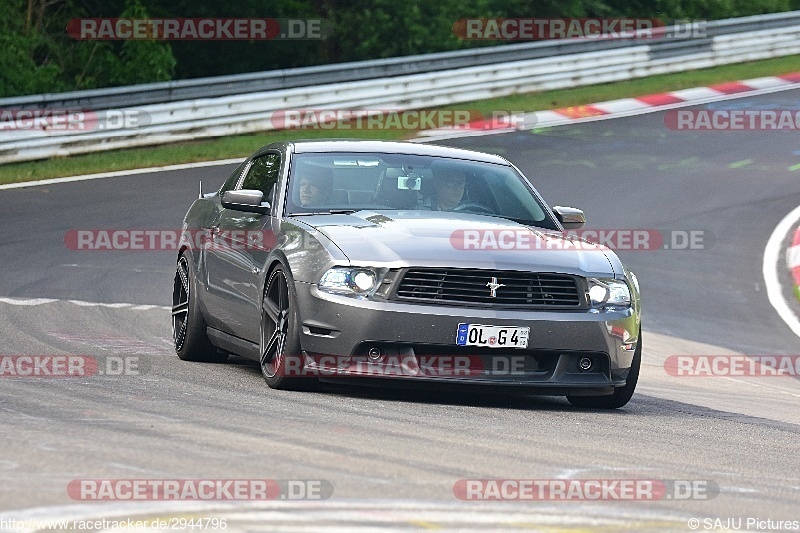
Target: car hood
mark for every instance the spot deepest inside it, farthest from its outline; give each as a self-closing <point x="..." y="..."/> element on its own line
<point x="439" y="239"/>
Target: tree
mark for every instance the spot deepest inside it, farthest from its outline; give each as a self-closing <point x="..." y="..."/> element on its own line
<point x="37" y="55"/>
<point x="26" y="63"/>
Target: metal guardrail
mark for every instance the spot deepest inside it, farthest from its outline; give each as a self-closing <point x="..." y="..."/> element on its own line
<point x="210" y="107"/>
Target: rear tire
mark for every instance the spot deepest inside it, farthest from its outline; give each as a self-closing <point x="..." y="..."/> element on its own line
<point x="188" y="327"/>
<point x="621" y="395"/>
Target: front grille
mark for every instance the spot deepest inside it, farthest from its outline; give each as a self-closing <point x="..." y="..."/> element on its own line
<point x="525" y="290"/>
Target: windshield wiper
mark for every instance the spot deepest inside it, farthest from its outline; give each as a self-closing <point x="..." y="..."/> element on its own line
<point x="331" y="212"/>
<point x="524" y="221"/>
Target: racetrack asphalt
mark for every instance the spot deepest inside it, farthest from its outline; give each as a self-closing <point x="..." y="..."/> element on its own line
<point x="393" y="457"/>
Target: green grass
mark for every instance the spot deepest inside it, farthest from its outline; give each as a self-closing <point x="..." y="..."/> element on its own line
<point x="244" y="145"/>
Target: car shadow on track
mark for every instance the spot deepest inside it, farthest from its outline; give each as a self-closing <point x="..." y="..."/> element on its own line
<point x="478" y="396"/>
<point x="415" y="392"/>
<point x="408" y="391"/>
<point x="641" y="405"/>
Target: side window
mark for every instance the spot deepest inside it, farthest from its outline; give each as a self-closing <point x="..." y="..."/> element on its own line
<point x="263" y="174"/>
<point x="233" y="179"/>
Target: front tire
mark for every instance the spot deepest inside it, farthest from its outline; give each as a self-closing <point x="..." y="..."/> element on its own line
<point x="188" y="327"/>
<point x="281" y="354"/>
<point x="621" y="395"/>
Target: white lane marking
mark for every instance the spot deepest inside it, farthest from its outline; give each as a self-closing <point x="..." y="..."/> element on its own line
<point x="132" y="468"/>
<point x="8" y="465"/>
<point x="772" y="261"/>
<point x="43" y="301"/>
<point x="115" y="343"/>
<point x="738" y="490"/>
<point x="118" y="173"/>
<point x="27" y="301"/>
<point x="751" y="384"/>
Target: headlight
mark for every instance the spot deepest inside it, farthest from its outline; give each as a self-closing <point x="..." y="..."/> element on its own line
<point x="609" y="293"/>
<point x="349" y="281"/>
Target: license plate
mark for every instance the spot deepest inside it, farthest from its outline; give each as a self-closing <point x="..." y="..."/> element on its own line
<point x="492" y="336"/>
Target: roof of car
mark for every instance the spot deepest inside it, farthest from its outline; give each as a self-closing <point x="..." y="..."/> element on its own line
<point x="393" y="147"/>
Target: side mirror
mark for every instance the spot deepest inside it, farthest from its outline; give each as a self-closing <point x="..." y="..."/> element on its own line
<point x="570" y="217"/>
<point x="249" y="200"/>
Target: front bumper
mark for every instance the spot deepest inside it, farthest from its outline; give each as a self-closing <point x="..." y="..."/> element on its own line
<point x="418" y="342"/>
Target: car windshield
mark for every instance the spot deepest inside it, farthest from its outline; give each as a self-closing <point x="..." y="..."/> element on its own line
<point x="347" y="182"/>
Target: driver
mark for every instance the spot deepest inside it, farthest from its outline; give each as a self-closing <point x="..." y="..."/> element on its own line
<point x="449" y="185"/>
<point x="316" y="184"/>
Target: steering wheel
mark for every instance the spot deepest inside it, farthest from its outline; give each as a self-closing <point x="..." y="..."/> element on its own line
<point x="474" y="208"/>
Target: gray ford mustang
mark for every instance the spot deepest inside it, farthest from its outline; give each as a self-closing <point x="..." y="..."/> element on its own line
<point x="396" y="263"/>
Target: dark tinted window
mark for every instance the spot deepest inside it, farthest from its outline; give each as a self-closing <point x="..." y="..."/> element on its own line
<point x="233" y="179"/>
<point x="263" y="174"/>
